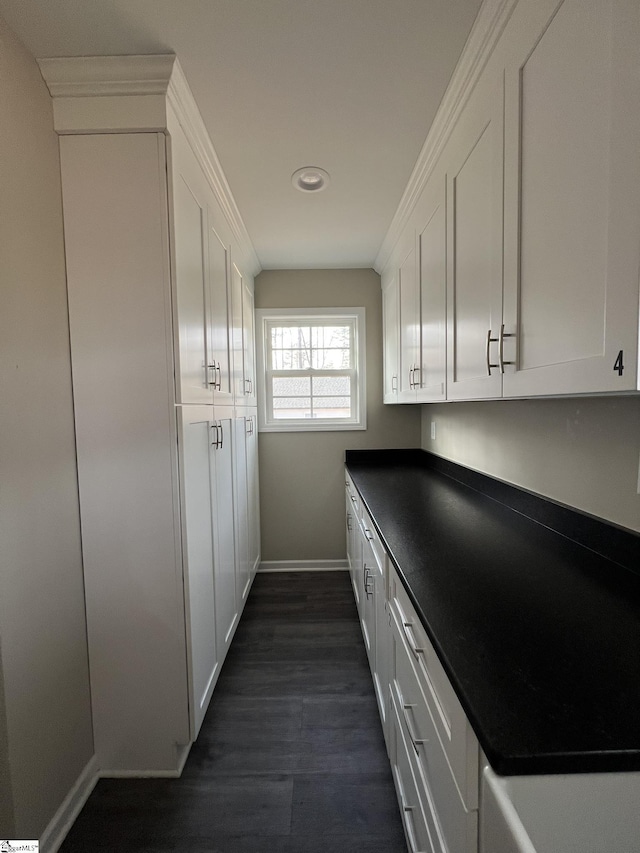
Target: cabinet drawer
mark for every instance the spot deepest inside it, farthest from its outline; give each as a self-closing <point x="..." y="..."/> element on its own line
<point x="353" y="497"/>
<point x="436" y="784"/>
<point x="420" y="827"/>
<point x="452" y="728"/>
<point x="370" y="534"/>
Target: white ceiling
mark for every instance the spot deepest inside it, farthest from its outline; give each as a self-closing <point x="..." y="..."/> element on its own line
<point x="351" y="86"/>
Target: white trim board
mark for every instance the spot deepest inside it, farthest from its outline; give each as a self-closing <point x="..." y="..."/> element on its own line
<point x="62" y="821"/>
<point x="303" y="566"/>
<point x="487" y="29"/>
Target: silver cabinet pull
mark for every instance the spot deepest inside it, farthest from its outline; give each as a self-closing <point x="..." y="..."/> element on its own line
<point x="408" y="822"/>
<point x="501" y="360"/>
<point x="354" y="499"/>
<point x="221" y="435"/>
<point x="394" y="384"/>
<point x="490" y="341"/>
<point x="212" y="382"/>
<point x="216" y="441"/>
<point x="411" y="377"/>
<point x="367" y="578"/>
<point x="349" y="521"/>
<point x="416" y="382"/>
<point x="406" y="706"/>
<point x="408" y="632"/>
<point x="367" y="534"/>
<point x="219" y="373"/>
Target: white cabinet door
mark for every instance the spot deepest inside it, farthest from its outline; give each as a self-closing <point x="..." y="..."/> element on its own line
<point x="248" y="344"/>
<point x="227" y="603"/>
<point x="382" y="645"/>
<point x="241" y="500"/>
<point x="367" y="593"/>
<point x="474" y="213"/>
<point x="190" y="226"/>
<point x="432" y="249"/>
<point x="391" y="335"/>
<point x="409" y="320"/>
<point x="572" y="196"/>
<point x="218" y="314"/>
<point x="253" y="490"/>
<point x="196" y="478"/>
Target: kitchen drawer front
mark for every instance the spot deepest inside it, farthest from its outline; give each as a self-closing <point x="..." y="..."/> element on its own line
<point x="353" y="497"/>
<point x="369" y="532"/>
<point x="420" y="827"/>
<point x="436" y="784"/>
<point x="453" y="730"/>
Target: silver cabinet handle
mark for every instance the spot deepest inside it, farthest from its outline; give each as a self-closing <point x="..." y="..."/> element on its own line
<point x="219" y="373"/>
<point x="411" y="377"/>
<point x="349" y="521"/>
<point x="408" y="632"/>
<point x="501" y="360"/>
<point x="416" y="382"/>
<point x="367" y="534"/>
<point x="408" y="822"/>
<point x="406" y="706"/>
<point x="490" y="341"/>
<point x="211" y="382"/>
<point x="216" y="441"/>
<point x="394" y="384"/>
<point x="367" y="578"/>
<point x="221" y="435"/>
<point x="353" y="498"/>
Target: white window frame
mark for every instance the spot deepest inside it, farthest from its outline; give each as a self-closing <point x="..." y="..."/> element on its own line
<point x="310" y="316"/>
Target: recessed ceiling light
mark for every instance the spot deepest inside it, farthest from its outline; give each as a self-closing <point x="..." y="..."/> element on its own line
<point x="310" y="179"/>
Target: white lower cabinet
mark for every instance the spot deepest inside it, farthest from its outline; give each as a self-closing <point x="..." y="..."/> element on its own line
<point x="433" y="751"/>
<point x="212" y="569"/>
<point x="450" y="799"/>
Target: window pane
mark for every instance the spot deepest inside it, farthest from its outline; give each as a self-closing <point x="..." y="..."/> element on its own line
<point x="290" y="347"/>
<point x="331" y="385"/>
<point x="331" y="359"/>
<point x="291" y="407"/>
<point x="290" y="359"/>
<point x="285" y="386"/>
<point x="332" y="407"/>
<point x="324" y="337"/>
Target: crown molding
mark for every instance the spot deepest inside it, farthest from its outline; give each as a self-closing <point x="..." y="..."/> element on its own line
<point x="119" y="94"/>
<point x="99" y="76"/>
<point x="180" y="99"/>
<point x="487" y="29"/>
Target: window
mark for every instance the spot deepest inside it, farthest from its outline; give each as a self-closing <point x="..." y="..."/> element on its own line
<point x="311" y="369"/>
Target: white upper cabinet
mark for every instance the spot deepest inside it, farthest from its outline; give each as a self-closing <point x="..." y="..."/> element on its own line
<point x="243" y="338"/>
<point x="390" y="332"/>
<point x="432" y="251"/>
<point x="572" y="195"/>
<point x="201" y="258"/>
<point x="474" y="288"/>
<point x="541" y="150"/>
<point x="218" y="315"/>
<point x="409" y="302"/>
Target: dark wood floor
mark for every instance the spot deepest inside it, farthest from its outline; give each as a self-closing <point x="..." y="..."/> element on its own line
<point x="290" y="758"/>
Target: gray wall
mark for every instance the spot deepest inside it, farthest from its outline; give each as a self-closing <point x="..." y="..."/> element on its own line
<point x="580" y="451"/>
<point x="45" y="733"/>
<point x="301" y="474"/>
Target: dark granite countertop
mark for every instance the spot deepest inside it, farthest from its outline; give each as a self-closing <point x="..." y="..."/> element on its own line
<point x="539" y="633"/>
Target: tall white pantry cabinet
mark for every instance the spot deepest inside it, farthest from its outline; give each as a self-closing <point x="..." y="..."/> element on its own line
<point x="160" y="278"/>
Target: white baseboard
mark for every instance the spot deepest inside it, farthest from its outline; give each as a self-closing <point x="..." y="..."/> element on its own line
<point x="303" y="566"/>
<point x="63" y="819"/>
